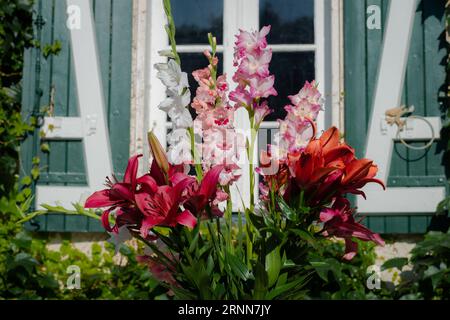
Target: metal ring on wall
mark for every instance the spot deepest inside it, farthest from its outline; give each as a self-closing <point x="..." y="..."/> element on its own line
<point x="429" y="144"/>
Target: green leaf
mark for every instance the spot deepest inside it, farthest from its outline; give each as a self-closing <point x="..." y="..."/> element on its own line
<point x="282" y="279"/>
<point x="183" y="294"/>
<point x="237" y="266"/>
<point x="194" y="241"/>
<point x="35" y="173"/>
<point x="51" y="49"/>
<point x="26" y="181"/>
<point x="22" y="240"/>
<point x="257" y="221"/>
<point x="25" y="260"/>
<point x="261" y="282"/>
<point x="304" y="235"/>
<point x="321" y="268"/>
<point x="286" y="210"/>
<point x="431" y="271"/>
<point x="279" y="290"/>
<point x="45" y="147"/>
<point x="398" y="263"/>
<point x="273" y="265"/>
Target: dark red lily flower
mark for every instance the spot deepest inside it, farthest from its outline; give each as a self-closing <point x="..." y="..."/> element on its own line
<point x="339" y="222"/>
<point x="199" y="196"/>
<point x="121" y="196"/>
<point x="162" y="207"/>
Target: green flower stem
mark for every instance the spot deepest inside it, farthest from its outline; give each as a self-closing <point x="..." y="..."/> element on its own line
<point x="57" y="210"/>
<point x="170" y="30"/>
<point x="251" y="159"/>
<point x="195" y="155"/>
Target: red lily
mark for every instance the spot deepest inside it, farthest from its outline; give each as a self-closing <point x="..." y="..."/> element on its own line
<point x="357" y="174"/>
<point x="327" y="168"/>
<point x="162" y="207"/>
<point x="120" y="196"/>
<point x="207" y="193"/>
<point x="339" y="221"/>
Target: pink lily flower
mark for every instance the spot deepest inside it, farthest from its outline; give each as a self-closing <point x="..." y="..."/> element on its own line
<point x="339" y="221"/>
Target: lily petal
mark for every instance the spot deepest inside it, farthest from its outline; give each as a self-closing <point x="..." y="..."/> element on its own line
<point x="148" y="184"/>
<point x="131" y="171"/>
<point x="186" y="218"/>
<point x="329" y="139"/>
<point x="351" y="248"/>
<point x="99" y="199"/>
<point x="105" y="221"/>
<point x="209" y="183"/>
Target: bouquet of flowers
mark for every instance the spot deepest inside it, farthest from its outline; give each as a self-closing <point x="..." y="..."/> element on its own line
<point x="197" y="247"/>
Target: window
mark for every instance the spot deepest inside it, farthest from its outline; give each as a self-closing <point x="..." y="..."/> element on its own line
<point x="297" y="39"/>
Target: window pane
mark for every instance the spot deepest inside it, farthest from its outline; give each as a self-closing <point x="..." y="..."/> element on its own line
<point x="195" y="18"/>
<point x="292" y="21"/>
<point x="291" y="70"/>
<point x="191" y="62"/>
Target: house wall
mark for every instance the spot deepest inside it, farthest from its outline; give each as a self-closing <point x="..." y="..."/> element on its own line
<point x="139" y="85"/>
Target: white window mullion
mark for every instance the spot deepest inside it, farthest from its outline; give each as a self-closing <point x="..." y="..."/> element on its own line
<point x="239" y="14"/>
<point x="292" y="47"/>
<point x="195" y="48"/>
<point x="156" y="41"/>
<point x="319" y="36"/>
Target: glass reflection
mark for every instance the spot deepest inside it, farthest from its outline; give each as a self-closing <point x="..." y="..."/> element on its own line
<point x="291" y="70"/>
<point x="195" y="18"/>
<point x="292" y="21"/>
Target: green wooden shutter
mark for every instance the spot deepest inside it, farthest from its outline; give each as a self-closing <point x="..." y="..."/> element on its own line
<point x="425" y="80"/>
<point x="64" y="165"/>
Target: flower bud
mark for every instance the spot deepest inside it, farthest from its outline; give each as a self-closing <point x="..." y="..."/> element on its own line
<point x="158" y="152"/>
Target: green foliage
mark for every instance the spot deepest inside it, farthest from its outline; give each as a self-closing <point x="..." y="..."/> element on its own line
<point x="29" y="270"/>
<point x="51" y="49"/>
<point x="16" y="34"/>
<point x="101" y="277"/>
<point x="444" y="206"/>
<point x="218" y="260"/>
<point x="336" y="278"/>
<point x="430" y="274"/>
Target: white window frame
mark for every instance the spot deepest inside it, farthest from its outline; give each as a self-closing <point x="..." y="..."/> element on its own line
<point x="237" y="14"/>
